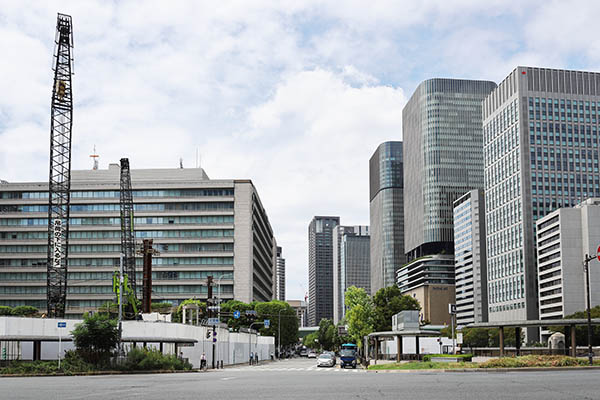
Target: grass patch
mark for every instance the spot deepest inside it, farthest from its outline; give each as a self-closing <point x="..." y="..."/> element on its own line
<point x="423" y="365"/>
<point x="532" y="361"/>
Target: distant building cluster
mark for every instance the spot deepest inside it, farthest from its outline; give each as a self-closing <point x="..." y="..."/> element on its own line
<point x="488" y="203"/>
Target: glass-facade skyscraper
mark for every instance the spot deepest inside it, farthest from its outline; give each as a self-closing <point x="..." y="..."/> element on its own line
<point x="443" y="156"/>
<point x="320" y="268"/>
<point x="541" y="153"/>
<point x="386" y="195"/>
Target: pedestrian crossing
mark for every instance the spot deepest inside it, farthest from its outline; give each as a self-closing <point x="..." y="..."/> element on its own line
<point x="274" y="368"/>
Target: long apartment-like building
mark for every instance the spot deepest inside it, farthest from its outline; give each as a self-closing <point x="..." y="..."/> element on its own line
<point x="200" y="226"/>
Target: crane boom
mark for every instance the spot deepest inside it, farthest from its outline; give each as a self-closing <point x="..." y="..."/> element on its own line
<point x="59" y="184"/>
<point x="127" y="233"/>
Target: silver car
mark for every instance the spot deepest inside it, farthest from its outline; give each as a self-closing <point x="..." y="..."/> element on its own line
<point x="325" y="360"/>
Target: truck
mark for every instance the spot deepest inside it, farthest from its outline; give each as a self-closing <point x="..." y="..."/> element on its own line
<point x="348" y="355"/>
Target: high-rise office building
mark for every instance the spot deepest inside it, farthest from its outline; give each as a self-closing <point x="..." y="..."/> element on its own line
<point x="280" y="279"/>
<point x="386" y="210"/>
<point x="351" y="264"/>
<point x="541" y="153"/>
<point x="443" y="159"/>
<point x="469" y="258"/>
<point x="200" y="226"/>
<point x="564" y="237"/>
<point x="320" y="268"/>
<point x="300" y="307"/>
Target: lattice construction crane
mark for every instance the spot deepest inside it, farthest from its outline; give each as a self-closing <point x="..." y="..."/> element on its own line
<point x="61" y="124"/>
<point x="127" y="232"/>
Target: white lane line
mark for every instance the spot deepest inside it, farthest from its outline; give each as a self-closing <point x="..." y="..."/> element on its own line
<point x="227" y="378"/>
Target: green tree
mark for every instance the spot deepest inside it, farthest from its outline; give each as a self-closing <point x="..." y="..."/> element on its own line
<point x="359" y="314"/>
<point x="581" y="331"/>
<point x="96" y="337"/>
<point x="271" y="310"/>
<point x="229" y="307"/>
<point x="162" y="307"/>
<point x="5" y="310"/>
<point x="327" y="334"/>
<point x="388" y="302"/>
<point x="178" y="314"/>
<point x="312" y="341"/>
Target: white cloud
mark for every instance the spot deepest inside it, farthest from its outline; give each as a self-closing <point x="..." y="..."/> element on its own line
<point x="293" y="95"/>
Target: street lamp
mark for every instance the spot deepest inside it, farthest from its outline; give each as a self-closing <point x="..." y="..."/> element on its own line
<point x="250" y="339"/>
<point x="219" y="296"/>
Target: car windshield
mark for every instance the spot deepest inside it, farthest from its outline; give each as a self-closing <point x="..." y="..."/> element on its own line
<point x="325" y="355"/>
<point x="347" y="353"/>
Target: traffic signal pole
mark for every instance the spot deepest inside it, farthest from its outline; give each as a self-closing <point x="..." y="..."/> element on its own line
<point x="586" y="269"/>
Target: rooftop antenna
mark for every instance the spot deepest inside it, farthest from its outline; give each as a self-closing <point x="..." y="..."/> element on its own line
<point x="95" y="157"/>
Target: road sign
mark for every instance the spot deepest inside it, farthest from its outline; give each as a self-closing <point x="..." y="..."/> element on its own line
<point x="236" y="314"/>
<point x="62" y="324"/>
<point x="214" y="308"/>
<point x="250" y="312"/>
<point x="267" y="323"/>
<point x="213" y="321"/>
<point x="451" y="309"/>
<point x="598" y="253"/>
<point x="459" y="338"/>
<point x="342" y="330"/>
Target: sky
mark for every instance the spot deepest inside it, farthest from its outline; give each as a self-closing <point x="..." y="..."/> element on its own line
<point x="294" y="95"/>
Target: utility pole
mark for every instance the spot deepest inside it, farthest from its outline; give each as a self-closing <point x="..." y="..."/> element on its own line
<point x="586" y="269"/>
<point x="279" y="334"/>
<point x="120" y="301"/>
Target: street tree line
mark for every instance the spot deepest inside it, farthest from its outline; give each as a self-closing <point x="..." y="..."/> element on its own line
<point x="364" y="315"/>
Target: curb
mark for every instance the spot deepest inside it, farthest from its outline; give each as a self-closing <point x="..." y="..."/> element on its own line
<point x="97" y="373"/>
<point x="484" y="370"/>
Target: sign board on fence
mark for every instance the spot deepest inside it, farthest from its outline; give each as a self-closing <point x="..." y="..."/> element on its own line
<point x="62" y="324"/>
<point x="267" y="323"/>
<point x="236" y="314"/>
<point x="213" y="321"/>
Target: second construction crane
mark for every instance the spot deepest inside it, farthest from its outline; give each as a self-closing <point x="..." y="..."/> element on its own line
<point x="128" y="236"/>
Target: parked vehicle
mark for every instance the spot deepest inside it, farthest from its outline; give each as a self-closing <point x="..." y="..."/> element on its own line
<point x="325" y="360"/>
<point x="312" y="354"/>
<point x="332" y="353"/>
<point x="348" y="355"/>
<point x="304" y="353"/>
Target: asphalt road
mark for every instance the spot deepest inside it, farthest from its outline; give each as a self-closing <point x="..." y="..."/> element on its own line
<point x="300" y="379"/>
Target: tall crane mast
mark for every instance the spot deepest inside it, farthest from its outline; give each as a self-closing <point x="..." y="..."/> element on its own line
<point x="127" y="233"/>
<point x="61" y="124"/>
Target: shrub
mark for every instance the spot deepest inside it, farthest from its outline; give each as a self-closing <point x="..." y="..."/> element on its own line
<point x="152" y="359"/>
<point x="5" y="310"/>
<point x="96" y="337"/>
<point x="24" y="310"/>
<point x="533" y="361"/>
<point x="461" y="357"/>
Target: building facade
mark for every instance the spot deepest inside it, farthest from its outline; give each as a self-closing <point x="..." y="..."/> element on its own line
<point x="200" y="226"/>
<point x="469" y="258"/>
<point x="320" y="268"/>
<point x="280" y="278"/>
<point x="301" y="311"/>
<point x="443" y="159"/>
<point x="541" y="153"/>
<point x="386" y="212"/>
<point x="430" y="279"/>
<point x="351" y="263"/>
<point x="564" y="237"/>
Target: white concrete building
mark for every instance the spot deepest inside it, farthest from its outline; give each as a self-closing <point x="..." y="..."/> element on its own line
<point x="200" y="226"/>
<point x="564" y="237"/>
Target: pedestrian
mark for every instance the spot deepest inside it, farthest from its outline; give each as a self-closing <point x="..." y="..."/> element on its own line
<point x="256" y="357"/>
<point x="251" y="357"/>
<point x="203" y="361"/>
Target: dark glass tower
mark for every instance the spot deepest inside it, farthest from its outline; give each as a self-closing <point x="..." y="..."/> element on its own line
<point x="386" y="194"/>
<point x="320" y="268"/>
